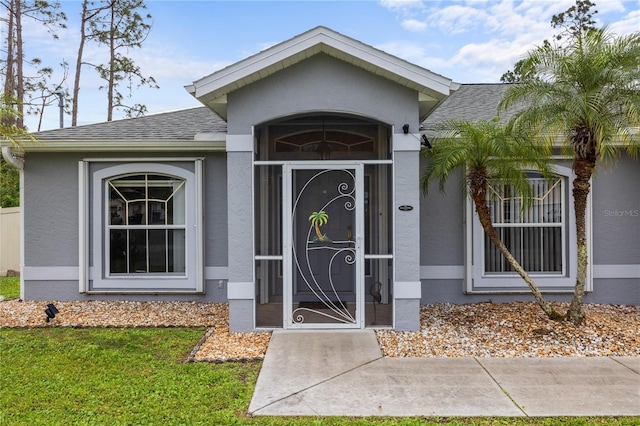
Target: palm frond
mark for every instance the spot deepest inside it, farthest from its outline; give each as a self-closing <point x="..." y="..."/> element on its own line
<point x="484" y="151"/>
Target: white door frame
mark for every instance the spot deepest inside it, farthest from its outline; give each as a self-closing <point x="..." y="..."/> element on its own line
<point x="287" y="229"/>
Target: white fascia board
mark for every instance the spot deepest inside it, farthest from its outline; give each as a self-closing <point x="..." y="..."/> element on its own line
<point x="308" y="44"/>
<point x="191" y="89"/>
<point x="427" y="81"/>
<point x="205" y="144"/>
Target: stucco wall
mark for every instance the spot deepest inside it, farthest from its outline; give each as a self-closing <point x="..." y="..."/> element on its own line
<point x="321" y="83"/>
<point x="317" y="85"/>
<point x="615" y="217"/>
<point x="51" y="209"/>
<point x="51" y="227"/>
<point x="442" y="224"/>
<point x="616" y="213"/>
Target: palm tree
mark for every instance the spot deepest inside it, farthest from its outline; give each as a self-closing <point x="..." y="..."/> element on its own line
<point x="587" y="96"/>
<point x="318" y="219"/>
<point x="11" y="134"/>
<point x="488" y="154"/>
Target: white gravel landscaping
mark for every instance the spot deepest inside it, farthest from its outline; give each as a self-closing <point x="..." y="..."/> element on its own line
<point x="473" y="330"/>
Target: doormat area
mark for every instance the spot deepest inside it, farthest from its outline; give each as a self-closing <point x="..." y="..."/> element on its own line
<point x="321" y="305"/>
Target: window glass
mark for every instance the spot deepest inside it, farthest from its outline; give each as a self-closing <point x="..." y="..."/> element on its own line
<point x="146" y="224"/>
<point x="534" y="235"/>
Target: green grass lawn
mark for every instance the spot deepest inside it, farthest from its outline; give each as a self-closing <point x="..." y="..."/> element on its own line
<point x="10" y="287"/>
<point x="53" y="376"/>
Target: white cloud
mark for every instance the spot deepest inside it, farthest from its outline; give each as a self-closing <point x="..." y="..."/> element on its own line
<point x="414" y="25"/>
<point x="628" y="25"/>
<point x="402" y="6"/>
<point x="496" y="35"/>
<point x="417" y="53"/>
<point x="604" y="7"/>
<point x="456" y="19"/>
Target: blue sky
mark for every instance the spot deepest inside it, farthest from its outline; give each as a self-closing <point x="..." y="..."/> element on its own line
<point x="469" y="41"/>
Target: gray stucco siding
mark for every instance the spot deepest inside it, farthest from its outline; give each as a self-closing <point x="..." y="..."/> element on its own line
<point x="51" y="209"/>
<point x="67" y="290"/>
<point x="240" y="208"/>
<point x="442" y="228"/>
<point x="614" y="291"/>
<point x="51" y="224"/>
<point x="616" y="213"/>
<point x="615" y="241"/>
<point x="624" y="291"/>
<point x="407" y="223"/>
<point x="407" y="314"/>
<point x="321" y="83"/>
<point x="215" y="211"/>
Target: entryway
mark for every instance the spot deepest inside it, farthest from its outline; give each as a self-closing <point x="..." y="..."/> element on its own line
<point x="323" y="224"/>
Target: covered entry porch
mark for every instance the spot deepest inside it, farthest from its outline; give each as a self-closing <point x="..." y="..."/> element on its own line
<point x="323" y="223"/>
<point x="323" y="109"/>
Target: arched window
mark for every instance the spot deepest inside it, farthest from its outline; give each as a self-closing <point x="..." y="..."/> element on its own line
<point x="146" y="224"/>
<point x="144" y="228"/>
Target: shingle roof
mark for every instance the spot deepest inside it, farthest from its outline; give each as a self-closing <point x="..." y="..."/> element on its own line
<point x="470" y="102"/>
<point x="174" y="125"/>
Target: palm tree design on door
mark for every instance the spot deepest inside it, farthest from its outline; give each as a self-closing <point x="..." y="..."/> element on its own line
<point x="318" y="219"/>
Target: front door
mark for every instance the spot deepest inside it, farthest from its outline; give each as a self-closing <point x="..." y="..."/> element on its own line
<point x="323" y="233"/>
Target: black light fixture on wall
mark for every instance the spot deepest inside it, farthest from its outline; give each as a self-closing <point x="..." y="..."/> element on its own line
<point x="423" y="138"/>
<point x="425" y="141"/>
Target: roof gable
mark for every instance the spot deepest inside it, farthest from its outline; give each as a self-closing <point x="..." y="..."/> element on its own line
<point x="213" y="89"/>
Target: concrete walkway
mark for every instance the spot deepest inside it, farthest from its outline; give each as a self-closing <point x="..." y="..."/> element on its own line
<point x="342" y="373"/>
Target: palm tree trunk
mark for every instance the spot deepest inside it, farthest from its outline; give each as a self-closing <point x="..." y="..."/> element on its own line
<point x="479" y="196"/>
<point x="583" y="168"/>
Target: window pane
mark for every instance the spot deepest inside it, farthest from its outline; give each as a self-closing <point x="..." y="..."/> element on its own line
<point x="117" y="207"/>
<point x="130" y="187"/>
<point x="537" y="249"/>
<point x="535" y="245"/>
<point x="268" y="217"/>
<point x="552" y="239"/>
<point x="148" y="203"/>
<point x="157" y="212"/>
<point x="157" y="250"/>
<point x="118" y="251"/>
<point x="176" y="212"/>
<point x="137" y="251"/>
<point x="176" y="250"/>
<point x="136" y="213"/>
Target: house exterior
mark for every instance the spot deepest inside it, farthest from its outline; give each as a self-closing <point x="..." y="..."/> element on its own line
<point x="293" y="194"/>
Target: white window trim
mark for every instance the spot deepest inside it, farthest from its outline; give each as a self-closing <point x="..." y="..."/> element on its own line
<point x="93" y="279"/>
<point x="477" y="282"/>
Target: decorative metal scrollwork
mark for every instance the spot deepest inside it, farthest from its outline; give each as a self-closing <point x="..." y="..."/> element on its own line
<point x="343" y="251"/>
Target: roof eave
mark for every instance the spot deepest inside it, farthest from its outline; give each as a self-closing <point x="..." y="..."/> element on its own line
<point x="203" y="143"/>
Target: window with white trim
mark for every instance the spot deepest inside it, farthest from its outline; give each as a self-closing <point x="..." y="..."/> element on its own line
<point x="541" y="237"/>
<point x="146" y="227"/>
<point x="534" y="235"/>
